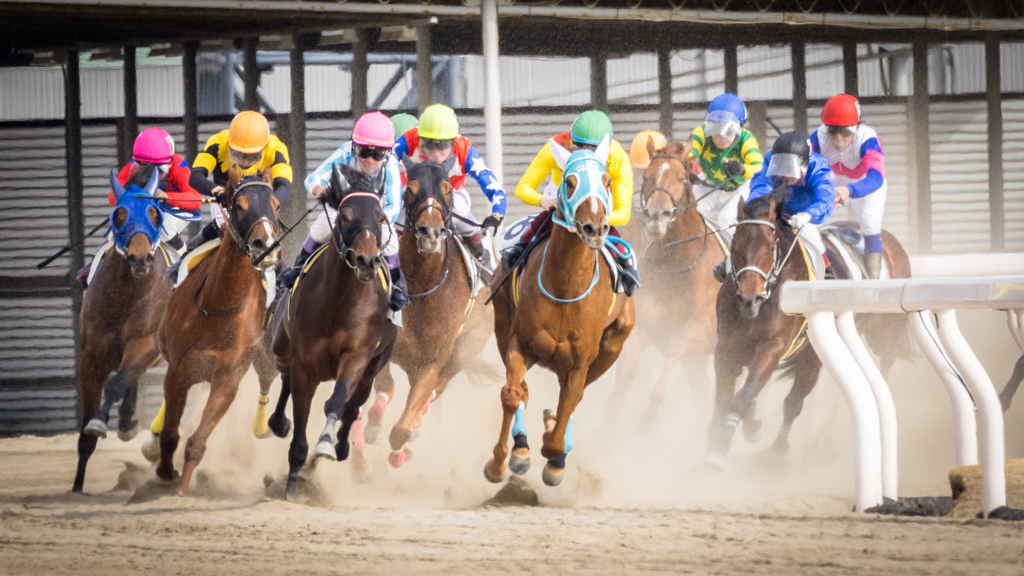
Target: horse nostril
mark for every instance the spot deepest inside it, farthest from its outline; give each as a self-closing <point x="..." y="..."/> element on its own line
<point x="259" y="244"/>
<point x="378" y="262"/>
<point x="588" y="230"/>
<point x="605" y="229"/>
<point x="666" y="214"/>
<point x="362" y="261"/>
<point x="423" y="231"/>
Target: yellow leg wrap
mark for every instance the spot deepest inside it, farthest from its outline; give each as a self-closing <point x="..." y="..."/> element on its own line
<point x="157" y="426"/>
<point x="259" y="424"/>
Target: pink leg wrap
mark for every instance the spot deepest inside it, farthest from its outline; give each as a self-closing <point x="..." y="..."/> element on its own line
<point x="380" y="403"/>
<point x="356" y="433"/>
<point x="426" y="406"/>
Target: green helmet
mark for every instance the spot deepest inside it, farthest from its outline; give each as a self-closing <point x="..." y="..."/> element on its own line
<point x="438" y="122"/>
<point x="403" y="122"/>
<point x="591" y="127"/>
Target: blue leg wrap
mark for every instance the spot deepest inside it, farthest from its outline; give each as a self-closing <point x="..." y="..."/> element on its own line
<point x="873" y="244"/>
<point x="519" y="426"/>
<point x="568" y="436"/>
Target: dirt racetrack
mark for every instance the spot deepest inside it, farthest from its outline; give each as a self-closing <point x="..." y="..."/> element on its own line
<point x="636" y="498"/>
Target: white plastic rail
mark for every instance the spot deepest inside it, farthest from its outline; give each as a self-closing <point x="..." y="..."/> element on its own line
<point x="830" y="307"/>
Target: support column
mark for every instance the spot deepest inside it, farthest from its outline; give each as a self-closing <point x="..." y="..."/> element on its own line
<point x="190" y="114"/>
<point x="252" y="73"/>
<point x="359" y="72"/>
<point x="130" y="123"/>
<point x="732" y="76"/>
<point x="922" y="146"/>
<point x="993" y="95"/>
<point x="851" y="79"/>
<point x="665" y="92"/>
<point x="424" y="68"/>
<point x="76" y="215"/>
<point x="797" y="54"/>
<point x="492" y="89"/>
<point x="293" y="209"/>
<point x="599" y="83"/>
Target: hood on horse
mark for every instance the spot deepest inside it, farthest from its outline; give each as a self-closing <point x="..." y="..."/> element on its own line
<point x="358" y="231"/>
<point x="136" y="219"/>
<point x="584" y="201"/>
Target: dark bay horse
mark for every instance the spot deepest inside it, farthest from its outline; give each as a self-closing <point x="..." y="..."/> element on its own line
<point x="563" y="315"/>
<point x="215" y="318"/>
<point x="754" y="333"/>
<point x="121" y="312"/>
<point x="333" y="324"/>
<point x="444" y="328"/>
<point x="676" y="308"/>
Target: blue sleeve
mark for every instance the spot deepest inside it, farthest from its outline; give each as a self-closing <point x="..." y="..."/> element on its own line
<point x="392" y="200"/>
<point x="322" y="175"/>
<point x="761" y="184"/>
<point x="476" y="167"/>
<point x="401" y="148"/>
<point x="818" y="178"/>
<point x="815" y="145"/>
<point x="867" y="185"/>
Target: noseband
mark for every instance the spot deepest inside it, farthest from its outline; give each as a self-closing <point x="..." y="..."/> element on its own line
<point x="676" y="210"/>
<point x="772" y="276"/>
<point x="414" y="211"/>
<point x="339" y="242"/>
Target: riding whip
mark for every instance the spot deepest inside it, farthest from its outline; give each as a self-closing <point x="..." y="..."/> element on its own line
<point x="286" y="232"/>
<point x="64" y="250"/>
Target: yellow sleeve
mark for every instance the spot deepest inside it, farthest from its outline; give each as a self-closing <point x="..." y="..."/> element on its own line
<point x="281" y="163"/>
<point x="208" y="157"/>
<point x="621" y="172"/>
<point x="543" y="165"/>
<point x="752" y="158"/>
<point x="697" y="142"/>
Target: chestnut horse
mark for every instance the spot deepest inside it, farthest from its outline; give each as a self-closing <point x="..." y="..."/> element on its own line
<point x="564" y="315"/>
<point x="444" y="327"/>
<point x="214" y="320"/>
<point x="121" y="312"/>
<point x="676" y="308"/>
<point x="753" y="332"/>
<point x="333" y="324"/>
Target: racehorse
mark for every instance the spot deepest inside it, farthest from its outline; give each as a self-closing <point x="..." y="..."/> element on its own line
<point x="214" y="320"/>
<point x="121" y="312"/>
<point x="675" y="310"/>
<point x="753" y="332"/>
<point x="444" y="329"/>
<point x="333" y="324"/>
<point x="564" y="316"/>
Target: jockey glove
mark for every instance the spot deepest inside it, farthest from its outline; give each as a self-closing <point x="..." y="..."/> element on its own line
<point x="734" y="168"/>
<point x="492" y="222"/>
<point x="799" y="220"/>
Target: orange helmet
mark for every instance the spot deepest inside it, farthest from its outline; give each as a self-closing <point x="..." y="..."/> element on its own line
<point x="249" y="132"/>
<point x="638" y="149"/>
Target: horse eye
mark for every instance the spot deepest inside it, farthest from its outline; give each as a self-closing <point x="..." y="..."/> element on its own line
<point x="120" y="216"/>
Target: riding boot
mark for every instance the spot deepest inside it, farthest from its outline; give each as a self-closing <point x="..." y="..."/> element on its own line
<point x="719" y="272"/>
<point x="629" y="276"/>
<point x="476" y="248"/>
<point x="399" y="290"/>
<point x="177" y="243"/>
<point x="873" y="265"/>
<point x="512" y="254"/>
<point x="830" y="274"/>
<point x="287" y="278"/>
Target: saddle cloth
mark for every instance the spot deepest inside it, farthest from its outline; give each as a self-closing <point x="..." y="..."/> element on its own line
<point x="846" y="247"/>
<point x="170" y="257"/>
<point x="475" y="282"/>
<point x="385" y="281"/>
<point x="193" y="259"/>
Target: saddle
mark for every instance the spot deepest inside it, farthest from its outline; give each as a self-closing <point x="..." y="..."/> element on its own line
<point x="845" y="246"/>
<point x="268" y="278"/>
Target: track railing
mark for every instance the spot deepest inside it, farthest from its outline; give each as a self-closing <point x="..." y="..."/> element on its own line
<point x="830" y="308"/>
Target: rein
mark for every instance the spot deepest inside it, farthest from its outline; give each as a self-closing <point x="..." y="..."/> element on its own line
<point x="336" y="239"/>
<point x="772" y="276"/>
<point x="195" y="301"/>
<point x="593" y="283"/>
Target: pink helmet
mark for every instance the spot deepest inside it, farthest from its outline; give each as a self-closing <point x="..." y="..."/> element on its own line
<point x="155" y="146"/>
<point x="374" y="129"/>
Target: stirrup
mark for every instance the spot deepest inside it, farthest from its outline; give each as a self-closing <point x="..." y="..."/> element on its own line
<point x="398" y="300"/>
<point x="719" y="272"/>
<point x="287" y="278"/>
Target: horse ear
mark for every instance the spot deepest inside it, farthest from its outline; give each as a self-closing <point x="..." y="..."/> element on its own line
<point x="740" y="209"/>
<point x="115" y="185"/>
<point x="650" y="146"/>
<point x="448" y="163"/>
<point x="338" y="189"/>
<point x="606" y="180"/>
<point x="154" y="182"/>
<point x="409" y="163"/>
<point x="560" y="153"/>
<point x="603" y="149"/>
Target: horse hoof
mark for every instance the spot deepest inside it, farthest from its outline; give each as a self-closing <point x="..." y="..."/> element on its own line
<point x="289" y="492"/>
<point x="414" y="433"/>
<point x="519" y="464"/>
<point x="325" y="450"/>
<point x="281" y="426"/>
<point x="371" y="433"/>
<point x="781" y="446"/>
<point x="130" y="434"/>
<point x="151" y="449"/>
<point x="261" y="429"/>
<point x="491" y="478"/>
<point x="552" y="476"/>
<point x="399" y="458"/>
<point x="96" y="428"/>
<point x="752" y="430"/>
<point x="362" y="476"/>
<point x="716" y="461"/>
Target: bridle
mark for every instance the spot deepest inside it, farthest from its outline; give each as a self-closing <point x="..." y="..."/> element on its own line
<point x="431" y="202"/>
<point x="772" y="276"/>
<point x="232" y="224"/>
<point x="676" y="210"/>
<point x="337" y="240"/>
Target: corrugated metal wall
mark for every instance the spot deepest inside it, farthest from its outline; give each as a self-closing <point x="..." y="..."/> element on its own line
<point x="959" y="174"/>
<point x="1013" y="165"/>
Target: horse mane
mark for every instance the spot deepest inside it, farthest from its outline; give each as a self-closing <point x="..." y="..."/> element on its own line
<point x="760" y="207"/>
<point x="359" y="181"/>
<point x="672" y="149"/>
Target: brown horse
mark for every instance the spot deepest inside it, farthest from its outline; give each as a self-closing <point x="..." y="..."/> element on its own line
<point x="753" y="332"/>
<point x="444" y="328"/>
<point x="553" y="319"/>
<point x="333" y="324"/>
<point x="675" y="310"/>
<point x="214" y="320"/>
<point x="120" y="316"/>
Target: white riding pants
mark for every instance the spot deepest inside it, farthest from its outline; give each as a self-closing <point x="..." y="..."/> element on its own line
<point x="721" y="205"/>
<point x="320" y="232"/>
<point x="171" y="227"/>
<point x="869" y="210"/>
<point x="810" y="235"/>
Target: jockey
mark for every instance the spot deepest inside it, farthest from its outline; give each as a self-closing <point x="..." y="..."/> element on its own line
<point x="723" y="154"/>
<point x="858" y="170"/>
<point x="638" y="156"/>
<point x="154" y="148"/>
<point x="591" y="130"/>
<point x="248" y="146"/>
<point x="403" y="123"/>
<point x="436" y="138"/>
<point x="806" y="174"/>
<point x="369" y="151"/>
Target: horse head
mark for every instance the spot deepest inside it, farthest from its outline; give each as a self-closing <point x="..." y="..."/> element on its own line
<point x="252" y="219"/>
<point x="584" y="202"/>
<point x="428" y="203"/>
<point x="136" y="219"/>
<point x="666" y="187"/>
<point x="361" y="220"/>
<point x="755" y="251"/>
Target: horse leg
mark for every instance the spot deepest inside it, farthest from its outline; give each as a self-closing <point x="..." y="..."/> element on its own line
<point x="263" y="362"/>
<point x="660" y="387"/>
<point x="278" y="422"/>
<point x="175" y="393"/>
<point x="1012" y="384"/>
<point x="808" y="367"/>
<point x="421" y="389"/>
<point x="556" y="445"/>
<point x="513" y="393"/>
<point x="351" y="427"/>
<point x="223" y="388"/>
<point x="625" y="373"/>
<point x="385" y="386"/>
<point x="727" y="370"/>
<point x="93" y="370"/>
<point x="138" y="355"/>
<point x="351" y="367"/>
<point x="302" y="398"/>
<point x="766" y="359"/>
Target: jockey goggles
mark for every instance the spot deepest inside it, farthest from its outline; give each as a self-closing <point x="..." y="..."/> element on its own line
<point x="722" y="123"/>
<point x="431" y="144"/>
<point x="245" y="160"/>
<point x="787" y="165"/>
<point x="377" y="153"/>
<point x="845" y="131"/>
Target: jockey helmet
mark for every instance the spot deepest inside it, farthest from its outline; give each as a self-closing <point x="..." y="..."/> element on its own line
<point x="249" y="132"/>
<point x="591" y="127"/>
<point x="374" y="129"/>
<point x="638" y="149"/>
<point x="154" y="146"/>
<point x="841" y="110"/>
<point x="790" y="155"/>
<point x="726" y="115"/>
<point x="403" y="123"/>
<point x="438" y="122"/>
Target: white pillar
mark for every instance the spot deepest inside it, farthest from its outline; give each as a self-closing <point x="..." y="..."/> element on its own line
<point x="492" y="89"/>
<point x="990" y="411"/>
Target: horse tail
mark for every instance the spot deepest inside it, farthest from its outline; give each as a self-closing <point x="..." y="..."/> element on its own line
<point x="482" y="373"/>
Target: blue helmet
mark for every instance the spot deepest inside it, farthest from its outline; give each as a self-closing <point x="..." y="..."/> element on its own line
<point x="727" y="107"/>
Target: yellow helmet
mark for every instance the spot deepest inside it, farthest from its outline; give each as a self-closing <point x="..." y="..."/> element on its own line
<point x="249" y="132"/>
<point x="438" y="122"/>
<point x="638" y="149"/>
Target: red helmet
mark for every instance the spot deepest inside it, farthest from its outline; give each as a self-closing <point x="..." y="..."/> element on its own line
<point x="841" y="110"/>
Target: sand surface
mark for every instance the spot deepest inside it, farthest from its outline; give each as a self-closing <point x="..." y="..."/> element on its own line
<point x="636" y="498"/>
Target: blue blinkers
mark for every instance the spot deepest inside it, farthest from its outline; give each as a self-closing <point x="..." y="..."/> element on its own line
<point x="136" y="202"/>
